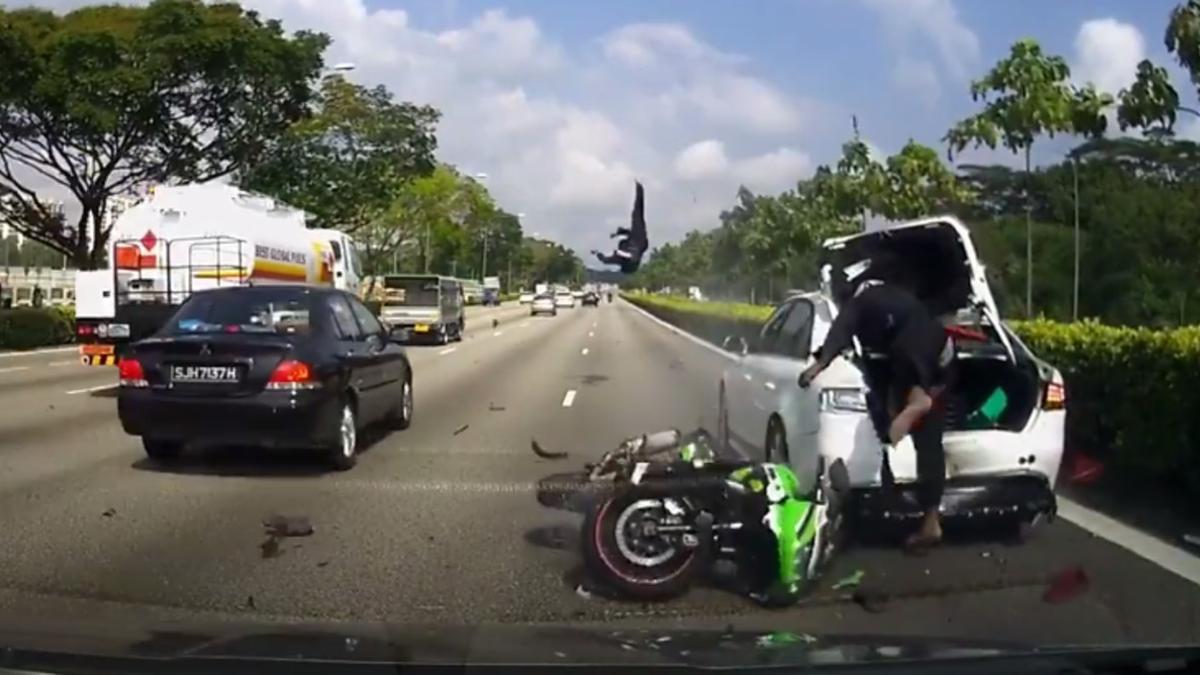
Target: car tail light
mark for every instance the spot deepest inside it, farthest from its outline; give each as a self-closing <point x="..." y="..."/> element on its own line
<point x="85" y="329"/>
<point x="130" y="373"/>
<point x="293" y="375"/>
<point x="1055" y="397"/>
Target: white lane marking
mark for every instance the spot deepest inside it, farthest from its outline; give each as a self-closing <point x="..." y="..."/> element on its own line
<point x="59" y="364"/>
<point x="497" y="333"/>
<point x="682" y="333"/>
<point x="1151" y="548"/>
<point x="523" y="324"/>
<point x="584" y="351"/>
<point x="51" y="350"/>
<point x="593" y="324"/>
<point x="13" y="369"/>
<point x="569" y="399"/>
<point x="449" y="350"/>
<point x="591" y="334"/>
<point x="88" y="390"/>
<point x="1170" y="558"/>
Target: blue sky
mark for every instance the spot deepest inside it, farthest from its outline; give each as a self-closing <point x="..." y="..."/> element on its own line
<point x="564" y="103"/>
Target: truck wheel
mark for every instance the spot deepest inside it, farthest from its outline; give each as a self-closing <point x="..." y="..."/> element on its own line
<point x="443" y="336"/>
<point x="462" y="328"/>
<point x="157" y="448"/>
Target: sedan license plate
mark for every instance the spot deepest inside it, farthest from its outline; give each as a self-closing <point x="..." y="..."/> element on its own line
<point x="205" y="374"/>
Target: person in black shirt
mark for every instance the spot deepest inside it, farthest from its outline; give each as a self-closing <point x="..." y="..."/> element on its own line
<point x="634" y="241"/>
<point x="891" y="322"/>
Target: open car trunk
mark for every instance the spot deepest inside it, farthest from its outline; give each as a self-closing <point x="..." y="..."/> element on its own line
<point x="997" y="383"/>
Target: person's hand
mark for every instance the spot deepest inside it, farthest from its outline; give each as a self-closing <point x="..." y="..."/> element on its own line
<point x="810" y="373"/>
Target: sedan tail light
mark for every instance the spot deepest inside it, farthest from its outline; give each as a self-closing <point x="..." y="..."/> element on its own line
<point x="130" y="373"/>
<point x="1055" y="397"/>
<point x="293" y="375"/>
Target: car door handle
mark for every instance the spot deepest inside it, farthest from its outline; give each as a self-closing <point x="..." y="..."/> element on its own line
<point x="769" y="386"/>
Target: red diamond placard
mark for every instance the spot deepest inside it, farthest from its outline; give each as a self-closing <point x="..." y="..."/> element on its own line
<point x="149" y="240"/>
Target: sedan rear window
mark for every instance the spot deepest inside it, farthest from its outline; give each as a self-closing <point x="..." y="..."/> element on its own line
<point x="275" y="311"/>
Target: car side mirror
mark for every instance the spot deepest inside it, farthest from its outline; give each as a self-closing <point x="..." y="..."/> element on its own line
<point x="735" y="344"/>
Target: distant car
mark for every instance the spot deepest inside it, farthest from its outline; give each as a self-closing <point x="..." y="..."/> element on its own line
<point x="284" y="366"/>
<point x="543" y="304"/>
<point x="564" y="299"/>
<point x="578" y="294"/>
<point x="526" y="298"/>
<point x="591" y="298"/>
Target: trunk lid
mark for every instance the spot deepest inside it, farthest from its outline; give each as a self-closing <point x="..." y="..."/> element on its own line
<point x="942" y="267"/>
<point x="212" y="364"/>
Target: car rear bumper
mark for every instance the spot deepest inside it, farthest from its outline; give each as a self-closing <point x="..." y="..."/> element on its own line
<point x="1022" y="496"/>
<point x="271" y="419"/>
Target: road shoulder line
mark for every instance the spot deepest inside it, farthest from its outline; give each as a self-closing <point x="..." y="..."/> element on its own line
<point x="1169" y="557"/>
<point x="33" y="352"/>
<point x="682" y="333"/>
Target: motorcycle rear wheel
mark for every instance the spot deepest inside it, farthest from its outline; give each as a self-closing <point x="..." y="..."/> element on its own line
<point x="633" y="564"/>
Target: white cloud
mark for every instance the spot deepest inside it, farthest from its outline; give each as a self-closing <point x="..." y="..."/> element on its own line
<point x="917" y="78"/>
<point x="934" y="23"/>
<point x="1107" y="53"/>
<point x="563" y="130"/>
<point x="702" y="159"/>
<point x="774" y="171"/>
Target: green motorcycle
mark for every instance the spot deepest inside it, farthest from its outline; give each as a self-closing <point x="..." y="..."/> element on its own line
<point x="661" y="509"/>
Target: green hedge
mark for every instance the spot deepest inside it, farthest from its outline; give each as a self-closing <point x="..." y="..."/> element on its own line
<point x="29" y="327"/>
<point x="1133" y="393"/>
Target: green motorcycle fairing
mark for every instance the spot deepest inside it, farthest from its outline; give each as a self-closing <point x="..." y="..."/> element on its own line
<point x="790" y="516"/>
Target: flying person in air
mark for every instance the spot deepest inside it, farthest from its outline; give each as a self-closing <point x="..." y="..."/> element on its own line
<point x="633" y="243"/>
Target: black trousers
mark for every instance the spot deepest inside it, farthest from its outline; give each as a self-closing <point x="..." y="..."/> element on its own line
<point x="926" y="434"/>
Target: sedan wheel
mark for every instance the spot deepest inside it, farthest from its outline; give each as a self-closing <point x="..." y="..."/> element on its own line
<point x="160" y="449"/>
<point x="402" y="414"/>
<point x="345" y="454"/>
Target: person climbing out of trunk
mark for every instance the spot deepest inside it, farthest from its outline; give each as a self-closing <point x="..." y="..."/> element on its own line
<point x="891" y="321"/>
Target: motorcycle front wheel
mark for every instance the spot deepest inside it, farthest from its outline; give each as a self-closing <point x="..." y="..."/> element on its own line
<point x="622" y="548"/>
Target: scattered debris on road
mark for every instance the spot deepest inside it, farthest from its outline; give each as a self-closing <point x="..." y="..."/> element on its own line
<point x="850" y="580"/>
<point x="1066" y="585"/>
<point x="288" y="526"/>
<point x="323" y="563"/>
<point x="495" y="323"/>
<point x="270" y="548"/>
<point x="544" y="453"/>
<point x="109" y="512"/>
<point x="250" y="601"/>
<point x="583" y="592"/>
<point x="461" y="429"/>
<point x="871" y="601"/>
<point x="496" y="408"/>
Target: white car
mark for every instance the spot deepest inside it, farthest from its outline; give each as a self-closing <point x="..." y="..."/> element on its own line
<point x="543" y="304"/>
<point x="564" y="299"/>
<point x="525" y="298"/>
<point x="996" y="466"/>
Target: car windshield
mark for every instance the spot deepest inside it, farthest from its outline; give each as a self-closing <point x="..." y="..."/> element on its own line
<point x="277" y="311"/>
<point x="323" y="315"/>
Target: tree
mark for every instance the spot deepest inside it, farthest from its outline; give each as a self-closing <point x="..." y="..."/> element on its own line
<point x="107" y="98"/>
<point x="348" y="162"/>
<point x="1032" y="96"/>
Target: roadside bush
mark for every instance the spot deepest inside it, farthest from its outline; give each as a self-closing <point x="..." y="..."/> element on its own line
<point x="1132" y="394"/>
<point x="29" y="327"/>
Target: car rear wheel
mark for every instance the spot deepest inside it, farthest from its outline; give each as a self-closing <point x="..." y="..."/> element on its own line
<point x="157" y="448"/>
<point x="344" y="453"/>
<point x="777" y="448"/>
<point x="401" y="415"/>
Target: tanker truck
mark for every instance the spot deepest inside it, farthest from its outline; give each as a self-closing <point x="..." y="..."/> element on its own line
<point x="181" y="239"/>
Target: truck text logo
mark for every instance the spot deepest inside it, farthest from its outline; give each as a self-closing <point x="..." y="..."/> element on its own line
<point x="272" y="253"/>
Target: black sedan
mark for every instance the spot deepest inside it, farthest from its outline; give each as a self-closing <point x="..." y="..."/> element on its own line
<point x="277" y="366"/>
<point x="591" y="298"/>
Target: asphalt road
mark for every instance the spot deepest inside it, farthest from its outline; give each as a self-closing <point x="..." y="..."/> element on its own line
<point x="438" y="524"/>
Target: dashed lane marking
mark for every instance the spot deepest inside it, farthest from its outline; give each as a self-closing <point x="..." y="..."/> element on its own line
<point x="584" y="351"/>
<point x="88" y="390"/>
<point x="569" y="399"/>
<point x="449" y="350"/>
<point x="13" y="369"/>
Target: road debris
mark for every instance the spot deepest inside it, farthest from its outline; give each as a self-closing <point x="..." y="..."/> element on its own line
<point x="288" y="526"/>
<point x="1066" y="585"/>
<point x="583" y="592"/>
<point x="495" y="323"/>
<point x="461" y="429"/>
<point x="850" y="580"/>
<point x="270" y="548"/>
<point x="496" y="408"/>
<point x="323" y="563"/>
<point x="871" y="601"/>
<point x="250" y="601"/>
<point x="545" y="454"/>
<point x="109" y="512"/>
